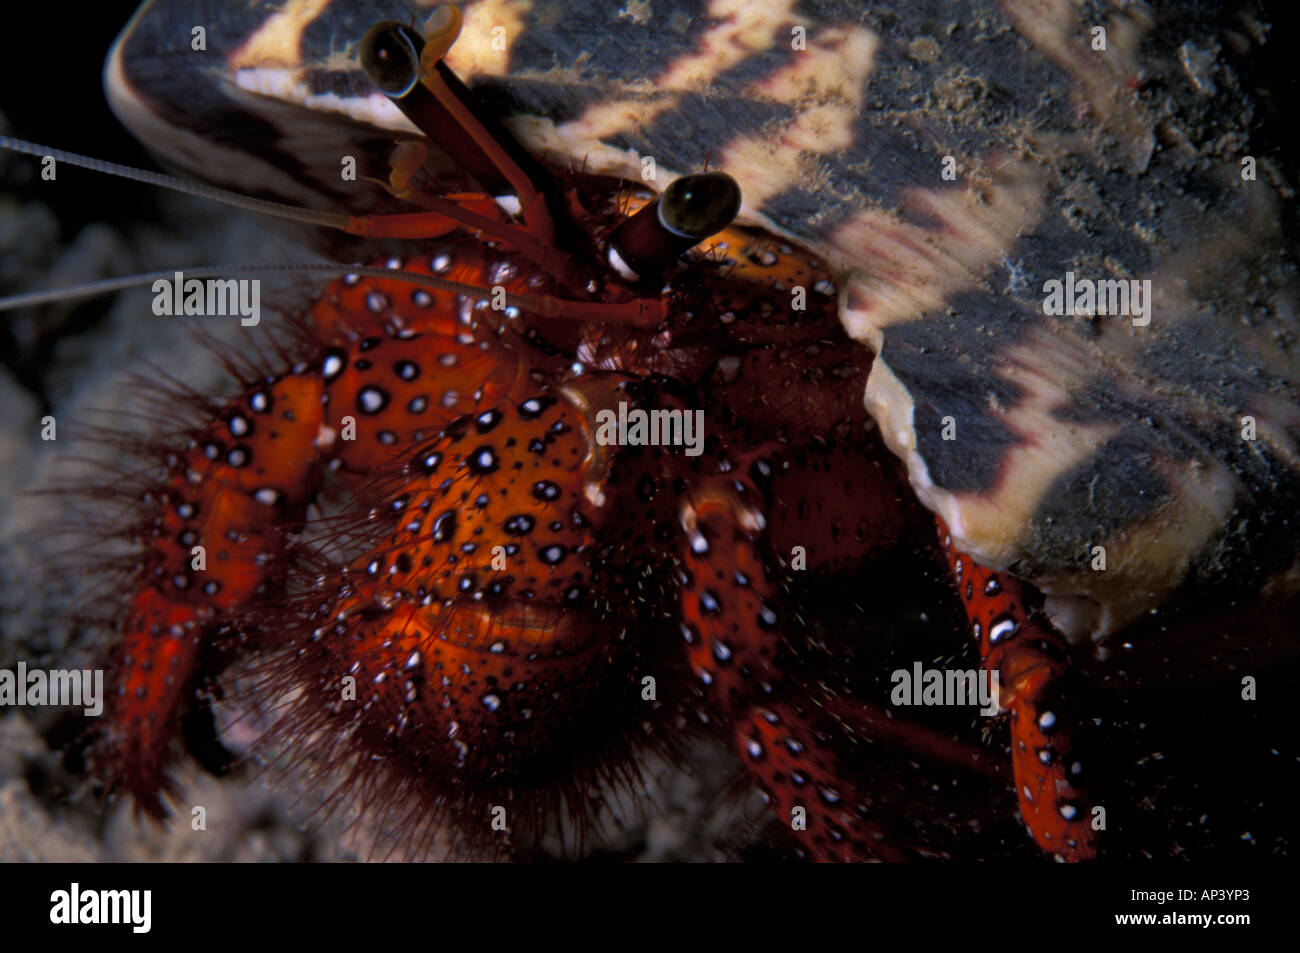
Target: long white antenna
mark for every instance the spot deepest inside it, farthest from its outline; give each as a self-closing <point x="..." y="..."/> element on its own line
<point x="277" y="209"/>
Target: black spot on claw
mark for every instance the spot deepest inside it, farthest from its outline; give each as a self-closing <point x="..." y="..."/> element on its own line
<point x="335" y="363"/>
<point x="444" y="527"/>
<point x="240" y="426"/>
<point x="520" y="525"/>
<point x="487" y="421"/>
<point x="483" y="461"/>
<point x="646" y="488"/>
<point x="546" y="491"/>
<point x="533" y="407"/>
<point x="372" y="400"/>
<point x="1001" y="628"/>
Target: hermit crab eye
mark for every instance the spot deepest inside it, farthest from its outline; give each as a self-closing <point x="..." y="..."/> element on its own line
<point x="390" y="55"/>
<point x="691" y="209"/>
<point x="697" y="206"/>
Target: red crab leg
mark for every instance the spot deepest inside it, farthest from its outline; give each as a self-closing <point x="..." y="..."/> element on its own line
<point x="733" y="629"/>
<point x="444" y="216"/>
<point x="1031" y="660"/>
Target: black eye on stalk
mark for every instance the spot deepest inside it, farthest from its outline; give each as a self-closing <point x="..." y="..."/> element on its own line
<point x="390" y="55"/>
<point x="691" y="209"/>
<point x="697" y="206"/>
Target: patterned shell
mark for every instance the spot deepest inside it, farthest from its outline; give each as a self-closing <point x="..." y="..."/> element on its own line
<point x="964" y="168"/>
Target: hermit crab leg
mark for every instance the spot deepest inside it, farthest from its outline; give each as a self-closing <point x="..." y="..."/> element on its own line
<point x="732" y="628"/>
<point x="1032" y="661"/>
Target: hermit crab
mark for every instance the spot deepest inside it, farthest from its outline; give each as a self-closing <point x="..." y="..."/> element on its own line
<point x="1045" y="341"/>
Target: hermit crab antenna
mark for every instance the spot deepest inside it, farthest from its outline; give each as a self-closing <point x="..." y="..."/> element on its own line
<point x="277" y="209"/>
<point x="639" y="313"/>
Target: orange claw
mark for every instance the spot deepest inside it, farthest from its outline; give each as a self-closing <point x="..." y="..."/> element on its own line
<point x="218" y="526"/>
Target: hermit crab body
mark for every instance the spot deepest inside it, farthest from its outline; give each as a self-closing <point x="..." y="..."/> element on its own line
<point x="516" y="598"/>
